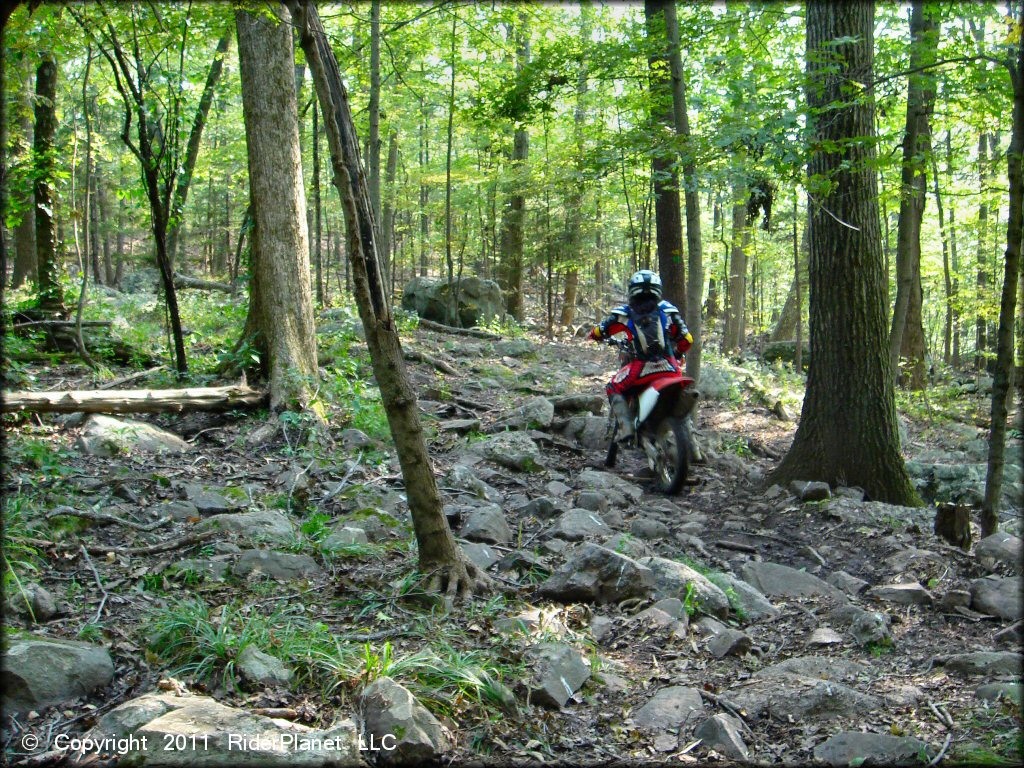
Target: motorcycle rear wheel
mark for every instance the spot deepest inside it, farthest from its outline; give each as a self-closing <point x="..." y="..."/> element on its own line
<point x="670" y="462"/>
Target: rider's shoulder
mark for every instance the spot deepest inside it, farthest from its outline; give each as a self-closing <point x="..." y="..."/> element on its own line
<point x="621" y="310"/>
<point x="667" y="306"/>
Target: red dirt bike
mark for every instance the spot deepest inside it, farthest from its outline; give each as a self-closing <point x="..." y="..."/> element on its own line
<point x="659" y="408"/>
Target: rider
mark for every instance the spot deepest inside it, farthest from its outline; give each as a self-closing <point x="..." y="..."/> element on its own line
<point x="659" y="337"/>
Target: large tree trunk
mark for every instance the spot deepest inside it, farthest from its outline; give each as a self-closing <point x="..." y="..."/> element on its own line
<point x="848" y="429"/>
<point x="280" y="301"/>
<point x="1008" y="300"/>
<point x="134" y="400"/>
<point x="439" y="554"/>
<point x="906" y="337"/>
<point x="25" y="231"/>
<point x="980" y="330"/>
<point x="318" y="257"/>
<point x="511" y="272"/>
<point x="424" y="159"/>
<point x="51" y="296"/>
<point x="736" y="291"/>
<point x="664" y="168"/>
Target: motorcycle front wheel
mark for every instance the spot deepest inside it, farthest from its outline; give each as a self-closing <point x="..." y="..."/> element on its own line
<point x="669" y="454"/>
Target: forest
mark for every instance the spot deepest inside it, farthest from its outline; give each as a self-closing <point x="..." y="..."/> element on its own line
<point x="308" y="455"/>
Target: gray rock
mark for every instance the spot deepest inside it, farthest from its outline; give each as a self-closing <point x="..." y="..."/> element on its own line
<point x="999" y="549"/>
<point x="613" y="486"/>
<point x="281" y="566"/>
<point x="215" y="568"/>
<point x="31" y="601"/>
<point x="514" y="450"/>
<point x="832" y="668"/>
<point x="459" y="426"/>
<point x="721" y="733"/>
<point x="481" y="555"/>
<point x="955" y="598"/>
<point x="344" y="536"/>
<point x="515" y="348"/>
<point x="591" y="431"/>
<point x="748" y="600"/>
<point x="868" y="628"/>
<point x="479" y="300"/>
<point x="262" y="669"/>
<point x="592" y="573"/>
<point x="794" y="697"/>
<point x="38" y="672"/>
<point x="1000" y="597"/>
<point x="626" y="544"/>
<point x="261" y="525"/>
<point x="910" y="593"/>
<point x="464" y="478"/>
<point x="535" y="413"/>
<point x="872" y="749"/>
<point x="857" y="494"/>
<point x="391" y="712"/>
<point x="673" y="606"/>
<point x="356" y="440"/>
<point x="543" y="508"/>
<point x="729" y="642"/>
<point x="995" y="691"/>
<point x="106" y="436"/>
<point x="988" y="663"/>
<point x="579" y="524"/>
<point x="601" y="627"/>
<point x="227" y="737"/>
<point x="1011" y="636"/>
<point x="179" y="511"/>
<point x="674" y="579"/>
<point x="810" y="490"/>
<point x="851" y="585"/>
<point x="775" y="580"/>
<point x="655" y="617"/>
<point x="715" y="383"/>
<point x="670" y="708"/>
<point x="487" y="524"/>
<point x="592" y="500"/>
<point x="558" y="671"/>
<point x="648" y="528"/>
<point x="578" y="402"/>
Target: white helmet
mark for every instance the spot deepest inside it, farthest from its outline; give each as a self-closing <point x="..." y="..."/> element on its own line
<point x="644" y="282"/>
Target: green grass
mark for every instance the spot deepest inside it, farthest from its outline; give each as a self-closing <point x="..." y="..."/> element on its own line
<point x="19" y="557"/>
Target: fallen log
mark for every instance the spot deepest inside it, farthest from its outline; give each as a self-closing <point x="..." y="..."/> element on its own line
<point x="186" y="281"/>
<point x="134" y="400"/>
<point x="430" y="325"/>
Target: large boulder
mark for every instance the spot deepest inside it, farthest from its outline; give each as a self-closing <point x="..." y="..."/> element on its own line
<point x="280" y="566"/>
<point x="404" y="729"/>
<point x="263" y="525"/>
<point x="596" y="574"/>
<point x="670" y="708"/>
<point x="558" y="672"/>
<point x="858" y="748"/>
<point x="106" y="436"/>
<point x="479" y="300"/>
<point x="775" y="580"/>
<point x="997" y="596"/>
<point x="675" y="579"/>
<point x="38" y="672"/>
<point x="999" y="549"/>
<point x="514" y="450"/>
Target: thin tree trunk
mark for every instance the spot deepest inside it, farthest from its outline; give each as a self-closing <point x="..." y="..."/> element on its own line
<point x="453" y="312"/>
<point x="373" y="110"/>
<point x="424" y="158"/>
<point x="439" y="554"/>
<point x="1001" y="381"/>
<point x="980" y="336"/>
<point x="388" y="218"/>
<point x="947" y="279"/>
<point x="25" y="259"/>
<point x="735" y="309"/>
<point x="317" y="209"/>
<point x="51" y="296"/>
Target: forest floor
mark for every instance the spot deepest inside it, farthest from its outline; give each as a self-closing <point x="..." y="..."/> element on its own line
<point x="354" y="613"/>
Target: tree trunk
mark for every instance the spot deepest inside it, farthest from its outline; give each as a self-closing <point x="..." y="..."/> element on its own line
<point x="51" y="296"/>
<point x="1008" y="300"/>
<point x="438" y="552"/>
<point x="453" y="310"/>
<point x="134" y="400"/>
<point x="280" y="301"/>
<point x="103" y="202"/>
<point x="735" y="308"/>
<point x="373" y="110"/>
<point x="388" y="218"/>
<point x="848" y="430"/>
<point x="786" y="327"/>
<point x="184" y="176"/>
<point x="424" y="158"/>
<point x="947" y="278"/>
<point x="906" y="337"/>
<point x="953" y="257"/>
<point x="980" y="335"/>
<point x="664" y="169"/>
<point x="25" y="231"/>
<point x="318" y="259"/>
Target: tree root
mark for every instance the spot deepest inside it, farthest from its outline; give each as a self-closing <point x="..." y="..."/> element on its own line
<point x="460" y="579"/>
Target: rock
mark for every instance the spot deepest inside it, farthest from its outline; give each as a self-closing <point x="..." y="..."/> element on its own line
<point x="647" y="528"/>
<point x="463" y="478"/>
<point x="459" y="426"/>
<point x="579" y="524"/>
<point x="579" y="402"/>
<point x="871" y="749"/>
<point x="535" y="413"/>
<point x="868" y="628"/>
<point x="914" y="560"/>
<point x="824" y="636"/>
<point x="721" y="733"/>
<point x="543" y="508"/>
<point x="592" y="500"/>
<point x="514" y="450"/>
<point x="107" y="436"/>
<point x="593" y="573"/>
<point x="261" y="525"/>
<point x="729" y="642"/>
<point x="601" y="627"/>
<point x="670" y="708"/>
<point x="281" y="566"/>
<point x="479" y="300"/>
<point x="775" y="580"/>
<point x="995" y="691"/>
<point x="38" y="672"/>
<point x="487" y="524"/>
<point x="262" y="669"/>
<point x="31" y="601"/>
<point x="748" y="602"/>
<point x="999" y="549"/>
<point x="515" y="348"/>
<point x="356" y="440"/>
<point x="910" y="593"/>
<point x="716" y="383"/>
<point x="674" y="579"/>
<point x="205" y="500"/>
<point x="1012" y="636"/>
<point x="988" y="663"/>
<point x="851" y="585"/>
<point x="657" y="618"/>
<point x="810" y="490"/>
<point x="558" y="672"/>
<point x="344" y="536"/>
<point x="796" y="698"/>
<point x="955" y="598"/>
<point x="831" y="668"/>
<point x="591" y="431"/>
<point x="226" y="737"/>
<point x="1000" y="597"/>
<point x="481" y="555"/>
<point x="216" y="568"/>
<point x="857" y="494"/>
<point x="625" y="544"/>
<point x="179" y="511"/>
<point x="614" y="487"/>
<point x="392" y="715"/>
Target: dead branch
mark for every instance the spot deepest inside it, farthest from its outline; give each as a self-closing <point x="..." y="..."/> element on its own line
<point x="165" y="546"/>
<point x="422" y="357"/>
<point x="186" y="281"/>
<point x="430" y="325"/>
<point x="135" y="400"/>
<point x="99" y="583"/>
<point x="131" y="377"/>
<point x="63" y="324"/>
<point x="104" y="517"/>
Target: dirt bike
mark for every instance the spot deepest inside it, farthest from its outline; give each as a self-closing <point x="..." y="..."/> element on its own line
<point x="659" y="409"/>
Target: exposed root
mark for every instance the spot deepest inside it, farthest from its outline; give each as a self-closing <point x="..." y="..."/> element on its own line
<point x="458" y="580"/>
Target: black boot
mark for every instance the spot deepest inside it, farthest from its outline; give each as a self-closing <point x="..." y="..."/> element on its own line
<point x="624" y="430"/>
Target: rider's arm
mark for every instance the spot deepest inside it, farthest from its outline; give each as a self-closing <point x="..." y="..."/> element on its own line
<point x="614" y="323"/>
<point x="679" y="333"/>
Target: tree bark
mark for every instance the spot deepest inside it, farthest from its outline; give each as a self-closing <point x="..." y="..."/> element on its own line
<point x="736" y="292"/>
<point x="134" y="400"/>
<point x="51" y="296"/>
<point x="906" y="337"/>
<point x="373" y="110"/>
<point x="980" y="334"/>
<point x="848" y="430"/>
<point x="439" y="554"/>
<point x="318" y="257"/>
<point x="1008" y="300"/>
<point x="786" y="326"/>
<point x="388" y="217"/>
<point x="280" y="300"/>
<point x="667" y="215"/>
<point x="947" y="277"/>
<point x="25" y="258"/>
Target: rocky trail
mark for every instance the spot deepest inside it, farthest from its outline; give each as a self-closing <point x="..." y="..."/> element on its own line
<point x="256" y="603"/>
